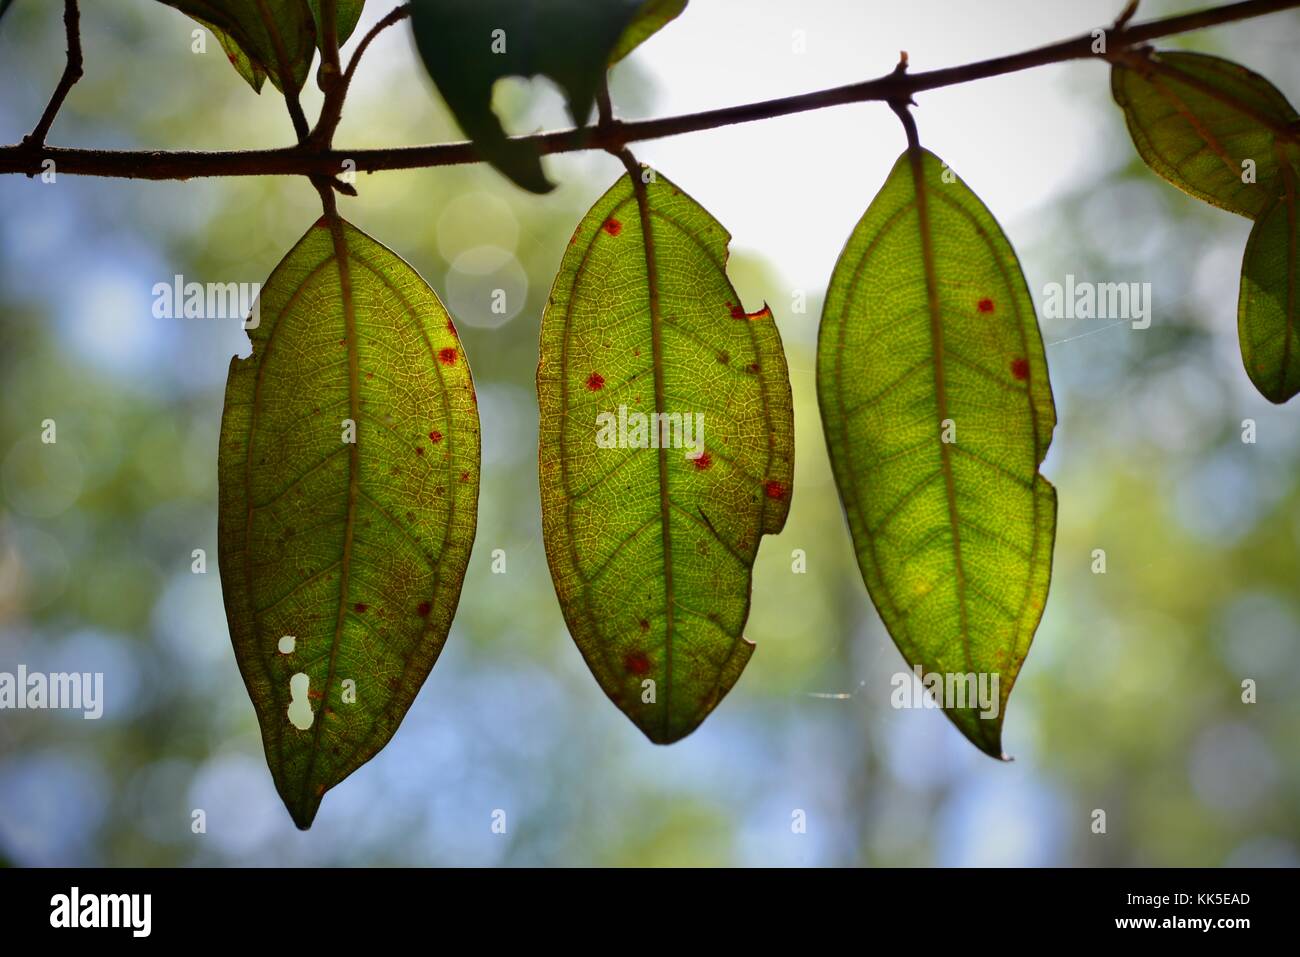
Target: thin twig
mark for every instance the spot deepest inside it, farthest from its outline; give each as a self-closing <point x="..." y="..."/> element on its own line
<point x="334" y="83"/>
<point x="71" y="74"/>
<point x="336" y="93"/>
<point x="309" y="159"/>
<point x="284" y="73"/>
<point x="1126" y="14"/>
<point x="604" y="107"/>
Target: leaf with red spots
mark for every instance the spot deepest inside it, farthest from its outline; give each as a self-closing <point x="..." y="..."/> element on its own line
<point x="1203" y="123"/>
<point x="343" y="521"/>
<point x="1268" y="310"/>
<point x="467" y="46"/>
<point x="262" y="39"/>
<point x="651" y="544"/>
<point x="937" y="414"/>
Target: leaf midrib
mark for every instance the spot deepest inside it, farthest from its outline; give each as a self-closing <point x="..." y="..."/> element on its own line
<point x="1008" y="282"/>
<point x="341" y="257"/>
<point x="665" y="499"/>
<point x="450" y="438"/>
<point x="916" y="161"/>
<point x="1222" y="96"/>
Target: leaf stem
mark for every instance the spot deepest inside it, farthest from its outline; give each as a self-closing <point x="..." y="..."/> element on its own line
<point x="311" y="158"/>
<point x="337" y="90"/>
<point x="283" y="71"/>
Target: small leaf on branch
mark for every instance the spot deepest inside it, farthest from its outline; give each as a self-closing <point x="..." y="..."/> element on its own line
<point x="261" y="39"/>
<point x="1207" y="125"/>
<point x="1268" y="310"/>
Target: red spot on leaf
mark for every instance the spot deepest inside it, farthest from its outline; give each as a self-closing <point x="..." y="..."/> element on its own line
<point x="645" y="625"/>
<point x="637" y="663"/>
<point x="704" y="462"/>
<point x="612" y="226"/>
<point x="774" y="490"/>
<point x="359" y="608"/>
<point x="447" y="356"/>
<point x="452" y="329"/>
<point x="738" y="312"/>
<point x="985" y="305"/>
<point x="435" y="436"/>
<point x="464" y="476"/>
<point x="595" y="382"/>
<point x="419" y="450"/>
<point x="1020" y="368"/>
<point x="423" y="609"/>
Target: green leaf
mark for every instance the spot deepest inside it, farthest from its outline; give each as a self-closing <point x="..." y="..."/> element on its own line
<point x="357" y="549"/>
<point x="467" y="45"/>
<point x="261" y="37"/>
<point x="1197" y="119"/>
<point x="346" y="15"/>
<point x="653" y="16"/>
<point x="928" y="334"/>
<point x="252" y="72"/>
<point x="651" y="550"/>
<point x="1268" y="313"/>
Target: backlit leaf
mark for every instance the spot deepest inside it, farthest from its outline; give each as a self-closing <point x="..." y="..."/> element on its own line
<point x="261" y="37"/>
<point x="346" y="15"/>
<point x="1196" y="120"/>
<point x="934" y="395"/>
<point x="467" y="45"/>
<point x="1268" y="310"/>
<point x="252" y="72"/>
<point x="355" y="549"/>
<point x="651" y="549"/>
<point x="653" y="16"/>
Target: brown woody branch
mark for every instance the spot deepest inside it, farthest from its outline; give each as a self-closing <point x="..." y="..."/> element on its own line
<point x="312" y="159"/>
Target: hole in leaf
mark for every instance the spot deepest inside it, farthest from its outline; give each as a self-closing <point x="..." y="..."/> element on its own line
<point x="300" y="713"/>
